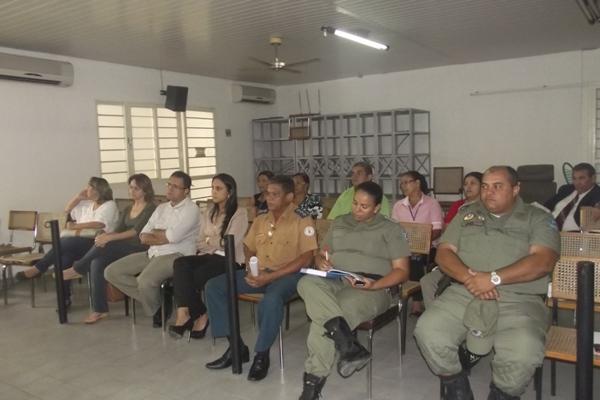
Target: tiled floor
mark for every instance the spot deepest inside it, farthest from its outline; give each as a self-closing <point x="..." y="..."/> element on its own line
<point x="41" y="359"/>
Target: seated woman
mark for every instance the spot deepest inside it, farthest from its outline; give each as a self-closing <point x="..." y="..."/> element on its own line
<point x="191" y="273"/>
<point x="91" y="209"/>
<point x="471" y="191"/>
<point x="416" y="206"/>
<point x="260" y="201"/>
<point x="111" y="246"/>
<point x="369" y="244"/>
<point x="308" y="204"/>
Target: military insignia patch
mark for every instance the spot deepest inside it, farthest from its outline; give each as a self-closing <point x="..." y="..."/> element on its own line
<point x="309" y="231"/>
<point x="469" y="217"/>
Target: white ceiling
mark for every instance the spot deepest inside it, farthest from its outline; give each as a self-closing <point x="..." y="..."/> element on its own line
<point x="216" y="37"/>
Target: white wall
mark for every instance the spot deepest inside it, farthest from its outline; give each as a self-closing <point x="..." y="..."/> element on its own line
<point x="49" y="137"/>
<point x="516" y="128"/>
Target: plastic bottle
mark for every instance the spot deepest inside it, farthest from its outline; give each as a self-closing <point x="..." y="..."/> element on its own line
<point x="253" y="263"/>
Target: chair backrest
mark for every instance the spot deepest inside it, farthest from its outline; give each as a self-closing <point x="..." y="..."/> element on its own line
<point x="122" y="204"/>
<point x="43" y="234"/>
<point x="22" y="220"/>
<point x="418" y="237"/>
<point x="576" y="244"/>
<point x="564" y="278"/>
<point x="327" y="202"/>
<point x="447" y="180"/>
<point x="322" y="227"/>
<point x="537" y="182"/>
<point x="160" y="198"/>
<point x="589" y="218"/>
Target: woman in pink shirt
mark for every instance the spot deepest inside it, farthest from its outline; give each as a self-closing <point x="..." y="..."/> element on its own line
<point x="416" y="206"/>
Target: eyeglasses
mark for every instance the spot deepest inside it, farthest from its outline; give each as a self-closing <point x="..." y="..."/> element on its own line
<point x="173" y="186"/>
<point x="406" y="182"/>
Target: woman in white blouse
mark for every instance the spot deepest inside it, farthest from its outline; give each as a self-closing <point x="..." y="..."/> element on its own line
<point x="91" y="210"/>
<point x="191" y="273"/>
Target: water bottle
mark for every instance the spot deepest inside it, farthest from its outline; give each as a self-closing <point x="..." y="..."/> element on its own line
<point x="253" y="263"/>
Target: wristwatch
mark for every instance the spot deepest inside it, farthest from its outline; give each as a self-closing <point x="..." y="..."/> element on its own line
<point x="495" y="278"/>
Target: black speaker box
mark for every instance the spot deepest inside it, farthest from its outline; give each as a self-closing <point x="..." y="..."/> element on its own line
<point x="176" y="98"/>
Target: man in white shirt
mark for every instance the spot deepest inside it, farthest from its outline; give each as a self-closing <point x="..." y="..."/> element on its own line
<point x="566" y="204"/>
<point x="171" y="232"/>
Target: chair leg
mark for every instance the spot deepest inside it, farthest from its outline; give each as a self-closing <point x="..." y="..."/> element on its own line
<point x="400" y="330"/>
<point x="370" y="365"/>
<point x="126" y="302"/>
<point x="253" y="315"/>
<point x="163" y="314"/>
<point x="553" y="377"/>
<point x="537" y="382"/>
<point x="442" y="396"/>
<point x="281" y="348"/>
<point x="133" y="310"/>
<point x="33" y="291"/>
<point x="404" y="315"/>
<point x="4" y="285"/>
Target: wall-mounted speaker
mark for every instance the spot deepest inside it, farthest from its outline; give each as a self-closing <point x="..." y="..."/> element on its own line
<point x="176" y="98"/>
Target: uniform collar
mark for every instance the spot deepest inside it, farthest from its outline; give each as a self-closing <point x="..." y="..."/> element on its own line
<point x="180" y="204"/>
<point x="406" y="203"/>
<point x="286" y="214"/>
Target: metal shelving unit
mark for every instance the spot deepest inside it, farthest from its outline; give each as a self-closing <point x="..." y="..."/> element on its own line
<point x="392" y="141"/>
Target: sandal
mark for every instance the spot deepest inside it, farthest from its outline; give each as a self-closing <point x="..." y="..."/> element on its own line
<point x="94" y="317"/>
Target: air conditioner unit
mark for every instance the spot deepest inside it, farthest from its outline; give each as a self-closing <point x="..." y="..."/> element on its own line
<point x="252" y="94"/>
<point x="36" y="70"/>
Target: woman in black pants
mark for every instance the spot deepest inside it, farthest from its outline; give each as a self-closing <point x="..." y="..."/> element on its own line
<point x="191" y="273"/>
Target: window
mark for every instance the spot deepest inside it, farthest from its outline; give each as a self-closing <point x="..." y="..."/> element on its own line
<point x="156" y="141"/>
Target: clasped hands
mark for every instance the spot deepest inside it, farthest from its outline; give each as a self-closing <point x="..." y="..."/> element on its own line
<point x="263" y="278"/>
<point x="479" y="284"/>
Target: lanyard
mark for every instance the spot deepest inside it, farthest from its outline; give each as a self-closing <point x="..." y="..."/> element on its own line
<point x="414" y="216"/>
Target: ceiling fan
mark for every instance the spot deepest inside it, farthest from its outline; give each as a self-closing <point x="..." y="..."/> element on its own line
<point x="279" y="65"/>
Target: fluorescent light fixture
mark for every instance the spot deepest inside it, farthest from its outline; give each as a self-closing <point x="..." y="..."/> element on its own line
<point x="328" y="30"/>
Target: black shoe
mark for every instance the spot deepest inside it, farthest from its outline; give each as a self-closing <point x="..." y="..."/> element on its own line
<point x="201" y="333"/>
<point x="177" y="331"/>
<point x="260" y="366"/>
<point x="497" y="394"/>
<point x="225" y="360"/>
<point x="157" y="317"/>
<point x="20" y="276"/>
<point x="456" y="387"/>
<point x="353" y="356"/>
<point x="312" y="386"/>
<point x="467" y="359"/>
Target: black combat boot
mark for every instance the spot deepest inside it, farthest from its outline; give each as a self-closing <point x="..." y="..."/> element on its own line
<point x="456" y="387"/>
<point x="312" y="386"/>
<point x="497" y="394"/>
<point x="467" y="359"/>
<point x="352" y="355"/>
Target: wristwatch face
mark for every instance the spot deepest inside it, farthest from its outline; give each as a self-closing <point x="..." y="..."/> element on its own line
<point x="495" y="279"/>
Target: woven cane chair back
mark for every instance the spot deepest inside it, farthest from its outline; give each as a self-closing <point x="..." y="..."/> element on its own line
<point x="564" y="278"/>
<point x="418" y="237"/>
<point x="576" y="244"/>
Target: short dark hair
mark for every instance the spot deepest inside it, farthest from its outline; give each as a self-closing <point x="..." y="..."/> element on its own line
<point x="302" y="175"/>
<point x="266" y="173"/>
<point x="418" y="177"/>
<point x="187" y="181"/>
<point x="372" y="189"/>
<point x="511" y="173"/>
<point x="145" y="184"/>
<point x="474" y="174"/>
<point x="364" y="165"/>
<point x="286" y="183"/>
<point x="101" y="186"/>
<point x="585" y="167"/>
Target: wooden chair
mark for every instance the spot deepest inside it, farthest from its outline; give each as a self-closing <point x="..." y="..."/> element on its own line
<point x="589" y="219"/>
<point x="576" y="244"/>
<point x="419" y="242"/>
<point x="42" y="236"/>
<point x="327" y="202"/>
<point x="17" y="221"/>
<point x="255" y="298"/>
<point x="561" y="341"/>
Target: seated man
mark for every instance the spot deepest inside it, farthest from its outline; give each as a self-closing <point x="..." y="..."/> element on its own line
<point x="500" y="253"/>
<point x="283" y="242"/>
<point x="566" y="204"/>
<point x="371" y="245"/>
<point x="361" y="172"/>
<point x="171" y="232"/>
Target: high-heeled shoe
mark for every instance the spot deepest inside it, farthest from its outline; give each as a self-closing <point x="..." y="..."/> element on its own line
<point x="199" y="334"/>
<point x="177" y="331"/>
